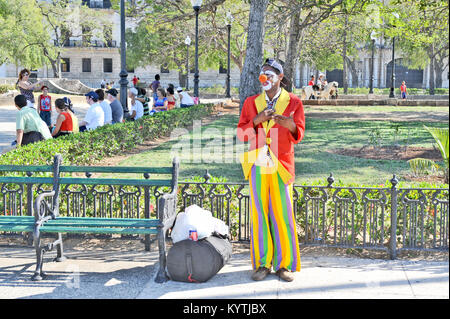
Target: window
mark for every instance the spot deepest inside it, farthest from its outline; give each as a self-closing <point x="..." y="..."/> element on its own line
<point x="65" y="65"/>
<point x="164" y="68"/>
<point x="86" y="65"/>
<point x="107" y="65"/>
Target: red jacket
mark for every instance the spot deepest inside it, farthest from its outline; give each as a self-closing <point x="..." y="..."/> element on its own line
<point x="283" y="146"/>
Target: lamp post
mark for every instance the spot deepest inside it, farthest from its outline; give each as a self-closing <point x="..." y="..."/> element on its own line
<point x="229" y="20"/>
<point x="373" y="37"/>
<point x="187" y="41"/>
<point x="196" y="4"/>
<point x="123" y="73"/>
<point x="391" y="93"/>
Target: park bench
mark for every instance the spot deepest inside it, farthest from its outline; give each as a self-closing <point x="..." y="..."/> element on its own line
<point x="44" y="215"/>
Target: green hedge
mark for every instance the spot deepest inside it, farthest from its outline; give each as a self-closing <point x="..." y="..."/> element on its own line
<point x="109" y="140"/>
<point x="5" y="87"/>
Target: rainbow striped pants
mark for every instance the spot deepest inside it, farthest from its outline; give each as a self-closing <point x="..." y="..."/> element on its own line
<point x="274" y="239"/>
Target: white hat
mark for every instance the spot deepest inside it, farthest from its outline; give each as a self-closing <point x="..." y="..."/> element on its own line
<point x="133" y="91"/>
<point x="179" y="89"/>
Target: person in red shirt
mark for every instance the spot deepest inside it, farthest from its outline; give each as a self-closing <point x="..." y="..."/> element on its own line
<point x="135" y="81"/>
<point x="64" y="121"/>
<point x="45" y="106"/>
<point x="272" y="122"/>
<point x="403" y="90"/>
<point x="312" y="81"/>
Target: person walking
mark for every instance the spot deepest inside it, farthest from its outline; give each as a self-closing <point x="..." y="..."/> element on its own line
<point x="155" y="85"/>
<point x="403" y="90"/>
<point x="272" y="122"/>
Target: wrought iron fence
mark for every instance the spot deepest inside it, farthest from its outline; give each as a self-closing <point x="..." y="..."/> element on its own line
<point x="384" y="218"/>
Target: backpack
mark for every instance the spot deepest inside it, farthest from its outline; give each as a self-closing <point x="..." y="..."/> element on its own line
<point x="198" y="261"/>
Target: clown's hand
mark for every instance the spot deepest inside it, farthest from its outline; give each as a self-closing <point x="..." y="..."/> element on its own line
<point x="286" y="121"/>
<point x="263" y="116"/>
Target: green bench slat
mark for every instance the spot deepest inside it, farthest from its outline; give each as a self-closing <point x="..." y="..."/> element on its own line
<point x="109" y="169"/>
<point x="12" y="217"/>
<point x="18" y="222"/>
<point x="97" y="230"/>
<point x="26" y="180"/>
<point x="82" y="225"/>
<point x="19" y="168"/>
<point x="17" y="228"/>
<point x="107" y="181"/>
<point x="103" y="223"/>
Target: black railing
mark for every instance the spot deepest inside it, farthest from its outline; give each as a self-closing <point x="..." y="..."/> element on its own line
<point x="381" y="218"/>
<point x="92" y="43"/>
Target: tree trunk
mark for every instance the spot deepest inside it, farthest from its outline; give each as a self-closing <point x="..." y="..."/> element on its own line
<point x="432" y="76"/>
<point x="355" y="80"/>
<point x="249" y="83"/>
<point x="293" y="48"/>
<point x="344" y="56"/>
<point x="438" y="70"/>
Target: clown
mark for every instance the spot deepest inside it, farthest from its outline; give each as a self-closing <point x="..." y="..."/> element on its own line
<point x="272" y="122"/>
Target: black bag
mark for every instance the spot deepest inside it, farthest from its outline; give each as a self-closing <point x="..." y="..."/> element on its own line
<point x="198" y="261"/>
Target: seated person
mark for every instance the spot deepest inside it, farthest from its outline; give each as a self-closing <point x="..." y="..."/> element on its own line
<point x="105" y="106"/>
<point x="30" y="127"/>
<point x="175" y="95"/>
<point x="64" y="122"/>
<point x="116" y="107"/>
<point x="161" y="103"/>
<point x="185" y="99"/>
<point x="137" y="109"/>
<point x="69" y="106"/>
<point x="95" y="116"/>
<point x="171" y="100"/>
<point x="145" y="100"/>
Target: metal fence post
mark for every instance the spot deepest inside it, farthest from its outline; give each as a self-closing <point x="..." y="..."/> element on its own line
<point x="147" y="211"/>
<point x="393" y="239"/>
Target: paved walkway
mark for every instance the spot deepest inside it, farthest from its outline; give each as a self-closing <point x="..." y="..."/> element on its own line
<point x="130" y="275"/>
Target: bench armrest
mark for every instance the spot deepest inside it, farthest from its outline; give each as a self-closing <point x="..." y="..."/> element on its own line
<point x="167" y="212"/>
<point x="42" y="210"/>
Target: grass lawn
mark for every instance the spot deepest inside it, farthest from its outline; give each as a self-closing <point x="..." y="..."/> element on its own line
<point x="212" y="147"/>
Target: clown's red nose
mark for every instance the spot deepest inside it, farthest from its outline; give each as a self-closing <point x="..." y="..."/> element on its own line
<point x="263" y="78"/>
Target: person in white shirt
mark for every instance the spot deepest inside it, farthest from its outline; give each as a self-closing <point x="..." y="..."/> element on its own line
<point x="105" y="106"/>
<point x="95" y="116"/>
<point x="185" y="99"/>
<point x="137" y="109"/>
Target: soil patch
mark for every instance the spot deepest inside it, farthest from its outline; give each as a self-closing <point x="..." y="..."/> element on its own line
<point x="412" y="116"/>
<point x="397" y="153"/>
<point x="390" y="153"/>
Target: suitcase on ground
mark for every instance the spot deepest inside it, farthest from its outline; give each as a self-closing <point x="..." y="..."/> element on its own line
<point x="198" y="261"/>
